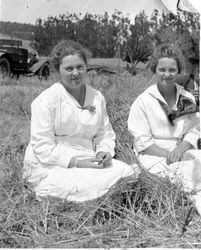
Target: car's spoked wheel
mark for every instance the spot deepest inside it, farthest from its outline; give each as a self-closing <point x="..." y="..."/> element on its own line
<point x="4" y="67"/>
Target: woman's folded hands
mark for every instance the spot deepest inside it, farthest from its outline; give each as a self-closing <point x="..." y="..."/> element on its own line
<point x="101" y="160"/>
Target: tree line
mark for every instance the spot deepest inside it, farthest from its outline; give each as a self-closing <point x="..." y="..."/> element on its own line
<point x="115" y="35"/>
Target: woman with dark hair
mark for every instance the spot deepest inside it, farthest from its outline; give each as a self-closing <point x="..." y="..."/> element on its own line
<point x="165" y="124"/>
<point x="72" y="142"/>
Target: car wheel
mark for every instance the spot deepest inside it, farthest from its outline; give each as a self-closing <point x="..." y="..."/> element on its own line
<point x="4" y="67"/>
<point x="44" y="71"/>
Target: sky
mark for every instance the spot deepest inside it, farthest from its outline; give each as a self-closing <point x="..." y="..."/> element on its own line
<point x="27" y="11"/>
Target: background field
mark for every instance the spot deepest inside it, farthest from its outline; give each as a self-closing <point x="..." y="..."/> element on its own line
<point x="143" y="212"/>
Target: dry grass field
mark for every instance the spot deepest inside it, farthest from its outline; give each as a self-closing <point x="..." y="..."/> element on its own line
<point x="143" y="212"/>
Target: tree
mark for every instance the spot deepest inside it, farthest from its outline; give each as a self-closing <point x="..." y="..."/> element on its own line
<point x="87" y="30"/>
<point x="139" y="44"/>
<point x="43" y="36"/>
<point x="182" y="30"/>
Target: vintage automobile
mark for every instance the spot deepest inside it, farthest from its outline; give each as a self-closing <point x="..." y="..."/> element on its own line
<point x="112" y="66"/>
<point x="107" y="65"/>
<point x="14" y="60"/>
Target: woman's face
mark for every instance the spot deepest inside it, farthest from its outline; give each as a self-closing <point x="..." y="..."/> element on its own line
<point x="72" y="71"/>
<point x="166" y="70"/>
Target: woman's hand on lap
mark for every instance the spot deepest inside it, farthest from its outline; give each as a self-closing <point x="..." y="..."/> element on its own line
<point x="88" y="162"/>
<point x="174" y="156"/>
<point x="177" y="153"/>
<point x="104" y="158"/>
<point x="102" y="161"/>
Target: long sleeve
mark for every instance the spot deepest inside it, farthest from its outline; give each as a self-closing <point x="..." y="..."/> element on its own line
<point x="139" y="127"/>
<point x="192" y="135"/>
<point x="44" y="146"/>
<point x="105" y="137"/>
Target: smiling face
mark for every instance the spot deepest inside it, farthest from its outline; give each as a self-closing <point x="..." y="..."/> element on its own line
<point x="166" y="70"/>
<point x="72" y="72"/>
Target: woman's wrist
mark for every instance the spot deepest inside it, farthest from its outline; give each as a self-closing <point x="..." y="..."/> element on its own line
<point x="73" y="163"/>
<point x="185" y="146"/>
<point x="156" y="151"/>
<point x="164" y="152"/>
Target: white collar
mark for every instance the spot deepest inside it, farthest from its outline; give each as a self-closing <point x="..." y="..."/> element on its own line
<point x="153" y="90"/>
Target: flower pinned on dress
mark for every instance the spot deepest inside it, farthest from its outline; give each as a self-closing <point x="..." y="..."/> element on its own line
<point x="90" y="108"/>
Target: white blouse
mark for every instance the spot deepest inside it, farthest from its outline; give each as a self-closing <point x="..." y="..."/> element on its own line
<point x="148" y="122"/>
<point x="61" y="129"/>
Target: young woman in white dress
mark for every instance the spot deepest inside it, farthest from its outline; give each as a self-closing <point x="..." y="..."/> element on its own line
<point x="72" y="141"/>
<point x="165" y="124"/>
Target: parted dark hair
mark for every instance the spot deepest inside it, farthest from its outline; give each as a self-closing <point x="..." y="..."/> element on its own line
<point x="66" y="48"/>
<point x="170" y="51"/>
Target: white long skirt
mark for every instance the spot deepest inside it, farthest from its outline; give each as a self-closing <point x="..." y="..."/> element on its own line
<point x="186" y="172"/>
<point x="77" y="184"/>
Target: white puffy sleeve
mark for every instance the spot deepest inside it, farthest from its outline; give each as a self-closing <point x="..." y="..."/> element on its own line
<point x="43" y="143"/>
<point x="104" y="139"/>
<point x="138" y="126"/>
